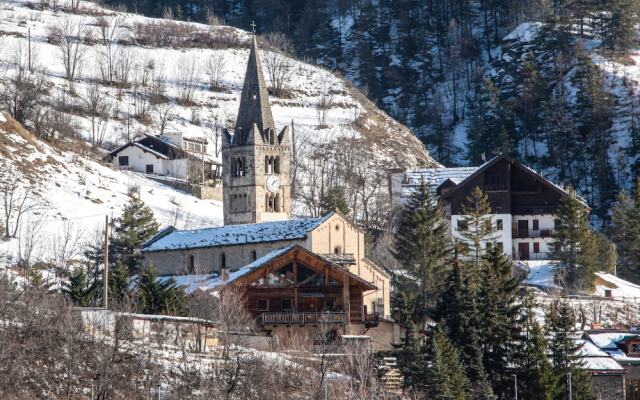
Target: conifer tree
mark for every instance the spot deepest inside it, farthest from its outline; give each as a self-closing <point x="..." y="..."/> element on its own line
<point x="135" y="226"/>
<point x="422" y="248"/>
<point x="333" y="199"/>
<point x="500" y="310"/>
<point x="478" y="229"/>
<point x="565" y="359"/>
<point x="78" y="288"/>
<point x="446" y="377"/>
<point x="625" y="230"/>
<point x="159" y="296"/>
<point x="619" y="25"/>
<point x="533" y="368"/>
<point x="458" y="313"/>
<point x="574" y="242"/>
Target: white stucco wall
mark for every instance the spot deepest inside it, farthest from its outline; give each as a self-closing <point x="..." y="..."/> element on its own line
<point x="138" y="160"/>
<point x="502" y="236"/>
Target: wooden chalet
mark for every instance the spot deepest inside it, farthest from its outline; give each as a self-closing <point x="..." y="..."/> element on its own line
<point x="295" y="287"/>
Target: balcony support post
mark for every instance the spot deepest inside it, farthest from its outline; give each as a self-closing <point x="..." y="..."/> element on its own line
<point x="347" y="303"/>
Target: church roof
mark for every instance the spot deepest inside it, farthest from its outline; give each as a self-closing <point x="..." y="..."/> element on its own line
<point x="254" y="100"/>
<point x="295" y="229"/>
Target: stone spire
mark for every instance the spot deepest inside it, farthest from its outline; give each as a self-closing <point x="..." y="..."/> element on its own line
<point x="254" y="102"/>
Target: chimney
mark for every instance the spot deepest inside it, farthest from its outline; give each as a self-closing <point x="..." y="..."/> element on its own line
<point x="224" y="274"/>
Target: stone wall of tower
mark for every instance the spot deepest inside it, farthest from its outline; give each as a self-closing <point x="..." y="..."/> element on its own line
<point x="284" y="177"/>
<point x="239" y="195"/>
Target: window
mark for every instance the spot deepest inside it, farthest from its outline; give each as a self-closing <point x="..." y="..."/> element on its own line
<point x="499" y="224"/>
<point x="192" y="264"/>
<point x="223" y="261"/>
<point x="149" y="168"/>
<point x="500" y="247"/>
<point x="462" y="225"/>
<point x="123" y="160"/>
<point x="607" y="293"/>
<point x="262" y="305"/>
<point x="276" y="165"/>
<point x="337" y="250"/>
<point x="635" y="347"/>
<point x="487" y="225"/>
<point x="536" y="247"/>
<point x="285" y="304"/>
<point x="254" y="255"/>
<point x="536" y="225"/>
<point x="556" y="223"/>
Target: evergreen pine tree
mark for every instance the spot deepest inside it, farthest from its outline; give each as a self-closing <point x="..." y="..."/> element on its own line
<point x="458" y="313"/>
<point x="422" y="248"/>
<point x="78" y="288"/>
<point x="500" y="310"/>
<point x="565" y="359"/>
<point x="446" y="377"/>
<point x="333" y="199"/>
<point x="533" y="368"/>
<point x="619" y="25"/>
<point x="135" y="226"/>
<point x="159" y="296"/>
<point x="574" y="243"/>
<point x="478" y="229"/>
<point x="625" y="230"/>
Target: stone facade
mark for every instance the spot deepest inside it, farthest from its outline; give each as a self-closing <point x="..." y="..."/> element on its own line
<point x="336" y="235"/>
<point x="256" y="160"/>
<point x="608" y="387"/>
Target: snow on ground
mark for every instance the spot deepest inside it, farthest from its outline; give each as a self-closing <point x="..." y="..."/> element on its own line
<point x="541" y="273"/>
<point x="74" y="194"/>
<point x="309" y="85"/>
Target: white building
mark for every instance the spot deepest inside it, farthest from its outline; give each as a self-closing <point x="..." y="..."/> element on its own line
<point x="524" y="203"/>
<point x="159" y="156"/>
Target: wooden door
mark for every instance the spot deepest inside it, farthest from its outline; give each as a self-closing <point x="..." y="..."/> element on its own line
<point x="523" y="228"/>
<point x="523" y="251"/>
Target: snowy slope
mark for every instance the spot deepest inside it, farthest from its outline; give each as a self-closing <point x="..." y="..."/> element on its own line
<point x="73" y="194"/>
<point x="395" y="145"/>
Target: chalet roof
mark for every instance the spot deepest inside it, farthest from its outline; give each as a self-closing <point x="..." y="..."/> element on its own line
<point x="436" y="176"/>
<point x="517" y="163"/>
<point x="191" y="283"/>
<point x="610" y="339"/>
<point x="141" y="146"/>
<point x="598" y="361"/>
<point x="295" y="229"/>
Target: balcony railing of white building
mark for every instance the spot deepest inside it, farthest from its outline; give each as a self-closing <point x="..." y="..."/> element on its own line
<point x="533" y="233"/>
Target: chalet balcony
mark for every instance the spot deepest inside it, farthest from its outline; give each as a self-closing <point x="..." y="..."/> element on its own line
<point x="302" y="318"/>
<point x="371" y="320"/>
<point x="533" y="233"/>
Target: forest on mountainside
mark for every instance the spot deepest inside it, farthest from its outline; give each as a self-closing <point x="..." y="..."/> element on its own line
<point x="445" y="69"/>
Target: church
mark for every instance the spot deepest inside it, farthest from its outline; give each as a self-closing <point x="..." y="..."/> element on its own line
<point x="298" y="273"/>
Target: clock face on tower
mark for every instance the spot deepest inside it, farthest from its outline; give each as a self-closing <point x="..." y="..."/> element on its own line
<point x="272" y="184"/>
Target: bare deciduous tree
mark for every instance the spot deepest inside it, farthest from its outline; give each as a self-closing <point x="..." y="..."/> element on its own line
<point x="98" y="107"/>
<point x="68" y="37"/>
<point x="278" y="64"/>
<point x="325" y="102"/>
<point x="163" y="115"/>
<point x="186" y="73"/>
<point x="216" y="66"/>
<point x="17" y="199"/>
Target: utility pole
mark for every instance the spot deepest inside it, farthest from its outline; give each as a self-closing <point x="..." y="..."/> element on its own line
<point x="515" y="385"/>
<point x="105" y="278"/>
<point x="29" y="66"/>
<point x="569" y="384"/>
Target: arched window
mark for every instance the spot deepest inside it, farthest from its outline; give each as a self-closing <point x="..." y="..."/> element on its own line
<point x="337" y="250"/>
<point x="223" y="261"/>
<point x="272" y="137"/>
<point x="192" y="264"/>
<point x="276" y="165"/>
<point x="266" y="165"/>
<point x="276" y="203"/>
<point x="254" y="255"/>
<point x="234" y="167"/>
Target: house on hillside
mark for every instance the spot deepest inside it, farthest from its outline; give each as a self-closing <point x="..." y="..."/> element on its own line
<point x="292" y="291"/>
<point x="524" y="202"/>
<point x="623" y="346"/>
<point x="606" y="374"/>
<point x="159" y="156"/>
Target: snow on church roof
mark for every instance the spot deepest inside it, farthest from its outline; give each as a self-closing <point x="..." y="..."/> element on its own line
<point x="234" y="234"/>
<point x="191" y="283"/>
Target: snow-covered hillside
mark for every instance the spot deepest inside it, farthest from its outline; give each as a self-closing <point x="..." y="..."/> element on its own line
<point x="70" y="196"/>
<point x="178" y="74"/>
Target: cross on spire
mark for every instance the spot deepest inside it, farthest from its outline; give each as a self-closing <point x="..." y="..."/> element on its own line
<point x="253" y="27"/>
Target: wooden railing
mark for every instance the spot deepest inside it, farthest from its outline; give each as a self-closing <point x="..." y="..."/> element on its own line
<point x="372" y="319"/>
<point x="533" y="233"/>
<point x="301" y="318"/>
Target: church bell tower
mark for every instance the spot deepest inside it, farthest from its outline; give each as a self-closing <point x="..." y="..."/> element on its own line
<point x="256" y="160"/>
